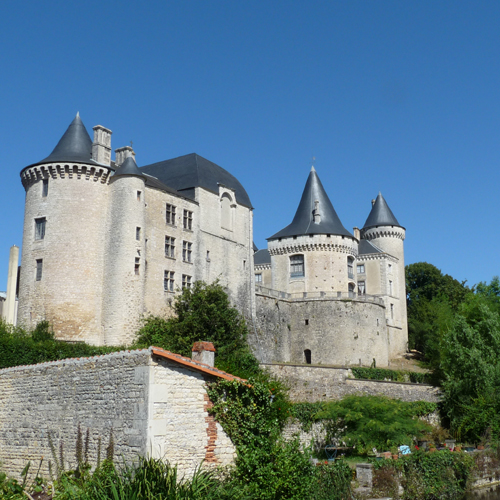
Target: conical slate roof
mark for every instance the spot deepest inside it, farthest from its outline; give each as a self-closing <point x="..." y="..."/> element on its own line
<point x="128" y="167"/>
<point x="74" y="146"/>
<point x="303" y="222"/>
<point x="381" y="215"/>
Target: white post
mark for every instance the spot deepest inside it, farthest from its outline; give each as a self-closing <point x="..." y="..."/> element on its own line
<point x="10" y="302"/>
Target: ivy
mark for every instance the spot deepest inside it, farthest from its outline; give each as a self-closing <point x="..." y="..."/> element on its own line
<point x="306" y="413"/>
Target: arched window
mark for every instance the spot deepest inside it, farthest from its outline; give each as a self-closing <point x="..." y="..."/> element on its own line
<point x="307" y="356"/>
<point x="226" y="216"/>
<point x="351" y="290"/>
<point x="296" y="266"/>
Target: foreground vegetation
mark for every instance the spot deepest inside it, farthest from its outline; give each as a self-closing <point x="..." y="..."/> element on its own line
<point x="456" y="328"/>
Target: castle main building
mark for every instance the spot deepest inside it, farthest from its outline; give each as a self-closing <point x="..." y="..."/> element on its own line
<point x="106" y="242"/>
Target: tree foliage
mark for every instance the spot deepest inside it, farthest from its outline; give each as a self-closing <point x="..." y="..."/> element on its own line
<point x="432" y="300"/>
<point x="471" y="368"/>
<point x="368" y="422"/>
<point x="203" y="313"/>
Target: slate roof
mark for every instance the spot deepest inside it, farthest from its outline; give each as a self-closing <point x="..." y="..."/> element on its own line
<point x="190" y="171"/>
<point x="366" y="247"/>
<point x="74" y="146"/>
<point x="262" y="257"/>
<point x="128" y="167"/>
<point x="303" y="222"/>
<point x="381" y="215"/>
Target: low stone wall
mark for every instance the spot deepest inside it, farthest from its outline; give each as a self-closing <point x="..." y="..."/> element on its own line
<point x="153" y="406"/>
<point x="321" y="383"/>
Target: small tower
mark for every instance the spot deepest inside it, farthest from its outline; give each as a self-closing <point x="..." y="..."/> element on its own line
<point x="64" y="227"/>
<point x="125" y="256"/>
<point x="383" y="231"/>
<point x="315" y="253"/>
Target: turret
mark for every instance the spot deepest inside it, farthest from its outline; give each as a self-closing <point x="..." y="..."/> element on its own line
<point x="64" y="227"/>
<point x="315" y="253"/>
<point x="125" y="262"/>
<point x="383" y="230"/>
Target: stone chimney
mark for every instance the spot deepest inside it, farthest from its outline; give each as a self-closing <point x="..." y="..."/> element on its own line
<point x="121" y="154"/>
<point x="356" y="233"/>
<point x="101" y="147"/>
<point x="204" y="352"/>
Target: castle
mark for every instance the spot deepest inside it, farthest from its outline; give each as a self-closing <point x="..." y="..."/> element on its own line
<point x="106" y="242"/>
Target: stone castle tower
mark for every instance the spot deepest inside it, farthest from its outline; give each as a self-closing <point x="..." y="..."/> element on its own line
<point x="327" y="296"/>
<point x="106" y="242"/>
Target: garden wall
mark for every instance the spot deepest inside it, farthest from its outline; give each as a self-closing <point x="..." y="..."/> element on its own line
<point x="152" y="401"/>
<point x="321" y="383"/>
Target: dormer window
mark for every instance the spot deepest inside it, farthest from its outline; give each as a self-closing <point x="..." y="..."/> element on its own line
<point x="296" y="266"/>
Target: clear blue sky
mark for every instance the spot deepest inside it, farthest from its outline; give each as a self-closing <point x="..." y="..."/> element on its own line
<point x="401" y="97"/>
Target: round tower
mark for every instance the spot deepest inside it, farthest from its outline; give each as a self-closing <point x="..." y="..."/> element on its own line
<point x="64" y="227"/>
<point x="125" y="256"/>
<point x="384" y="231"/>
<point x="315" y="253"/>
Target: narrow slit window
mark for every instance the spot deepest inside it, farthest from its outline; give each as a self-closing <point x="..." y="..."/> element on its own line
<point x="45" y="187"/>
<point x="139" y="195"/>
<point x="138" y="233"/>
<point x="40" y="228"/>
<point x="137" y="266"/>
<point x="39" y="267"/>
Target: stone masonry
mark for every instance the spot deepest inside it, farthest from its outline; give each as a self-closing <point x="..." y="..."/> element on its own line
<point x="154" y="403"/>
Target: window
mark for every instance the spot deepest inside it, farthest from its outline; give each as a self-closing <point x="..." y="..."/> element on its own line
<point x="392" y="311"/>
<point x="258" y="278"/>
<point x="186" y="251"/>
<point x="361" y="268"/>
<point x="39" y="265"/>
<point x="307" y="356"/>
<point x="168" y="281"/>
<point x="390" y="287"/>
<point x="45" y="187"/>
<point x="351" y="290"/>
<point x="170" y="214"/>
<point x="139" y="196"/>
<point x="137" y="266"/>
<point x="188" y="220"/>
<point x="389" y="268"/>
<point x="296" y="266"/>
<point x="170" y="247"/>
<point x="350" y="267"/>
<point x="138" y="233"/>
<point x="40" y="228"/>
<point x="208" y="255"/>
<point x="186" y="281"/>
<point x="361" y="288"/>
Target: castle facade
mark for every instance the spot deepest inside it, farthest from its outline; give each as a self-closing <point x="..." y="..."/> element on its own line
<point x="106" y="242"/>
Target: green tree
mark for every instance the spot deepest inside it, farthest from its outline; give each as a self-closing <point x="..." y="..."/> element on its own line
<point x="203" y="313"/>
<point x="373" y="421"/>
<point x="432" y="301"/>
<point x="471" y="369"/>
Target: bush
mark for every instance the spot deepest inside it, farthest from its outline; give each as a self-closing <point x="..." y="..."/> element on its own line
<point x="203" y="313"/>
<point x="20" y="347"/>
<point x="367" y="422"/>
<point x="395" y="375"/>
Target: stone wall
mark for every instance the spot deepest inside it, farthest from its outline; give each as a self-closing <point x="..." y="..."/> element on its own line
<point x="336" y="332"/>
<point x="318" y="383"/>
<point x="153" y="406"/>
